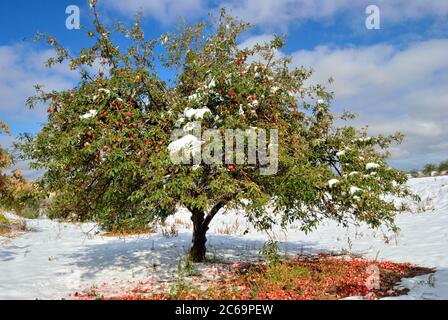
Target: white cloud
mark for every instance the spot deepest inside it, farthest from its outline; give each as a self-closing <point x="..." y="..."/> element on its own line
<point x="280" y="13"/>
<point x="258" y="39"/>
<point x="22" y="68"/>
<point x="165" y="11"/>
<point x="392" y="90"/>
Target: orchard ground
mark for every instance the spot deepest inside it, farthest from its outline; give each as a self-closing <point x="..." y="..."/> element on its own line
<point x="57" y="260"/>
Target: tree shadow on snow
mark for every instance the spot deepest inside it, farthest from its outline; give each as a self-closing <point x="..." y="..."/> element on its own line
<point x="8" y="253"/>
<point x="157" y="255"/>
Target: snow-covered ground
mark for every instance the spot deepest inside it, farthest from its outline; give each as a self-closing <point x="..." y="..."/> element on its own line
<point x="57" y="259"/>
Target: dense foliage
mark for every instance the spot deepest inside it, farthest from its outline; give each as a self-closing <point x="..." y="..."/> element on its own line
<point x="16" y="192"/>
<point x="4" y="164"/>
<point x="104" y="147"/>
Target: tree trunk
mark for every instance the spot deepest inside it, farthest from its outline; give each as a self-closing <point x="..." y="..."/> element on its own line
<point x="198" y="249"/>
<point x="200" y="227"/>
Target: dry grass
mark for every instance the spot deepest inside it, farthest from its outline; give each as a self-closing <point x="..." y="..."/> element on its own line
<point x="130" y="232"/>
<point x="182" y="223"/>
<point x="230" y="229"/>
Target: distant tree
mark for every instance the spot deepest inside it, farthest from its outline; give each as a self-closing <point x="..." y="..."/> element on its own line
<point x="430" y="168"/>
<point x="414" y="173"/>
<point x="105" y="146"/>
<point x="443" y="166"/>
<point x="5" y="164"/>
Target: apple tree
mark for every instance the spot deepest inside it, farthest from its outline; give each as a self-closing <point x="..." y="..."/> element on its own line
<point x="108" y="145"/>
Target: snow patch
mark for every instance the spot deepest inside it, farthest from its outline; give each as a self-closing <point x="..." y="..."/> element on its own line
<point x="332" y="182"/>
<point x="196" y="113"/>
<point x="91" y="114"/>
<point x="189" y="143"/>
<point x="372" y="165"/>
<point x="354" y="190"/>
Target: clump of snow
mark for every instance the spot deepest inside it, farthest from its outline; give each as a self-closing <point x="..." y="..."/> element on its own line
<point x="91" y="114"/>
<point x="193" y="97"/>
<point x="372" y="165"/>
<point x="212" y="84"/>
<point x="354" y="190"/>
<point x="189" y="143"/>
<point x="328" y="196"/>
<point x="332" y="182"/>
<point x="254" y="103"/>
<point x="366" y="139"/>
<point x="241" y="110"/>
<point x="106" y="91"/>
<point x="196" y="113"/>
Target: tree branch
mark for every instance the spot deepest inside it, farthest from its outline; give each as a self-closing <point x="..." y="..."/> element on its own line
<point x="218" y="206"/>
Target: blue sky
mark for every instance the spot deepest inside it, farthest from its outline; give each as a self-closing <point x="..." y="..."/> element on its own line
<point x="394" y="78"/>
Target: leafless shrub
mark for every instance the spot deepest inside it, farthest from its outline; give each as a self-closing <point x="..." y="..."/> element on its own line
<point x="170" y="231"/>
